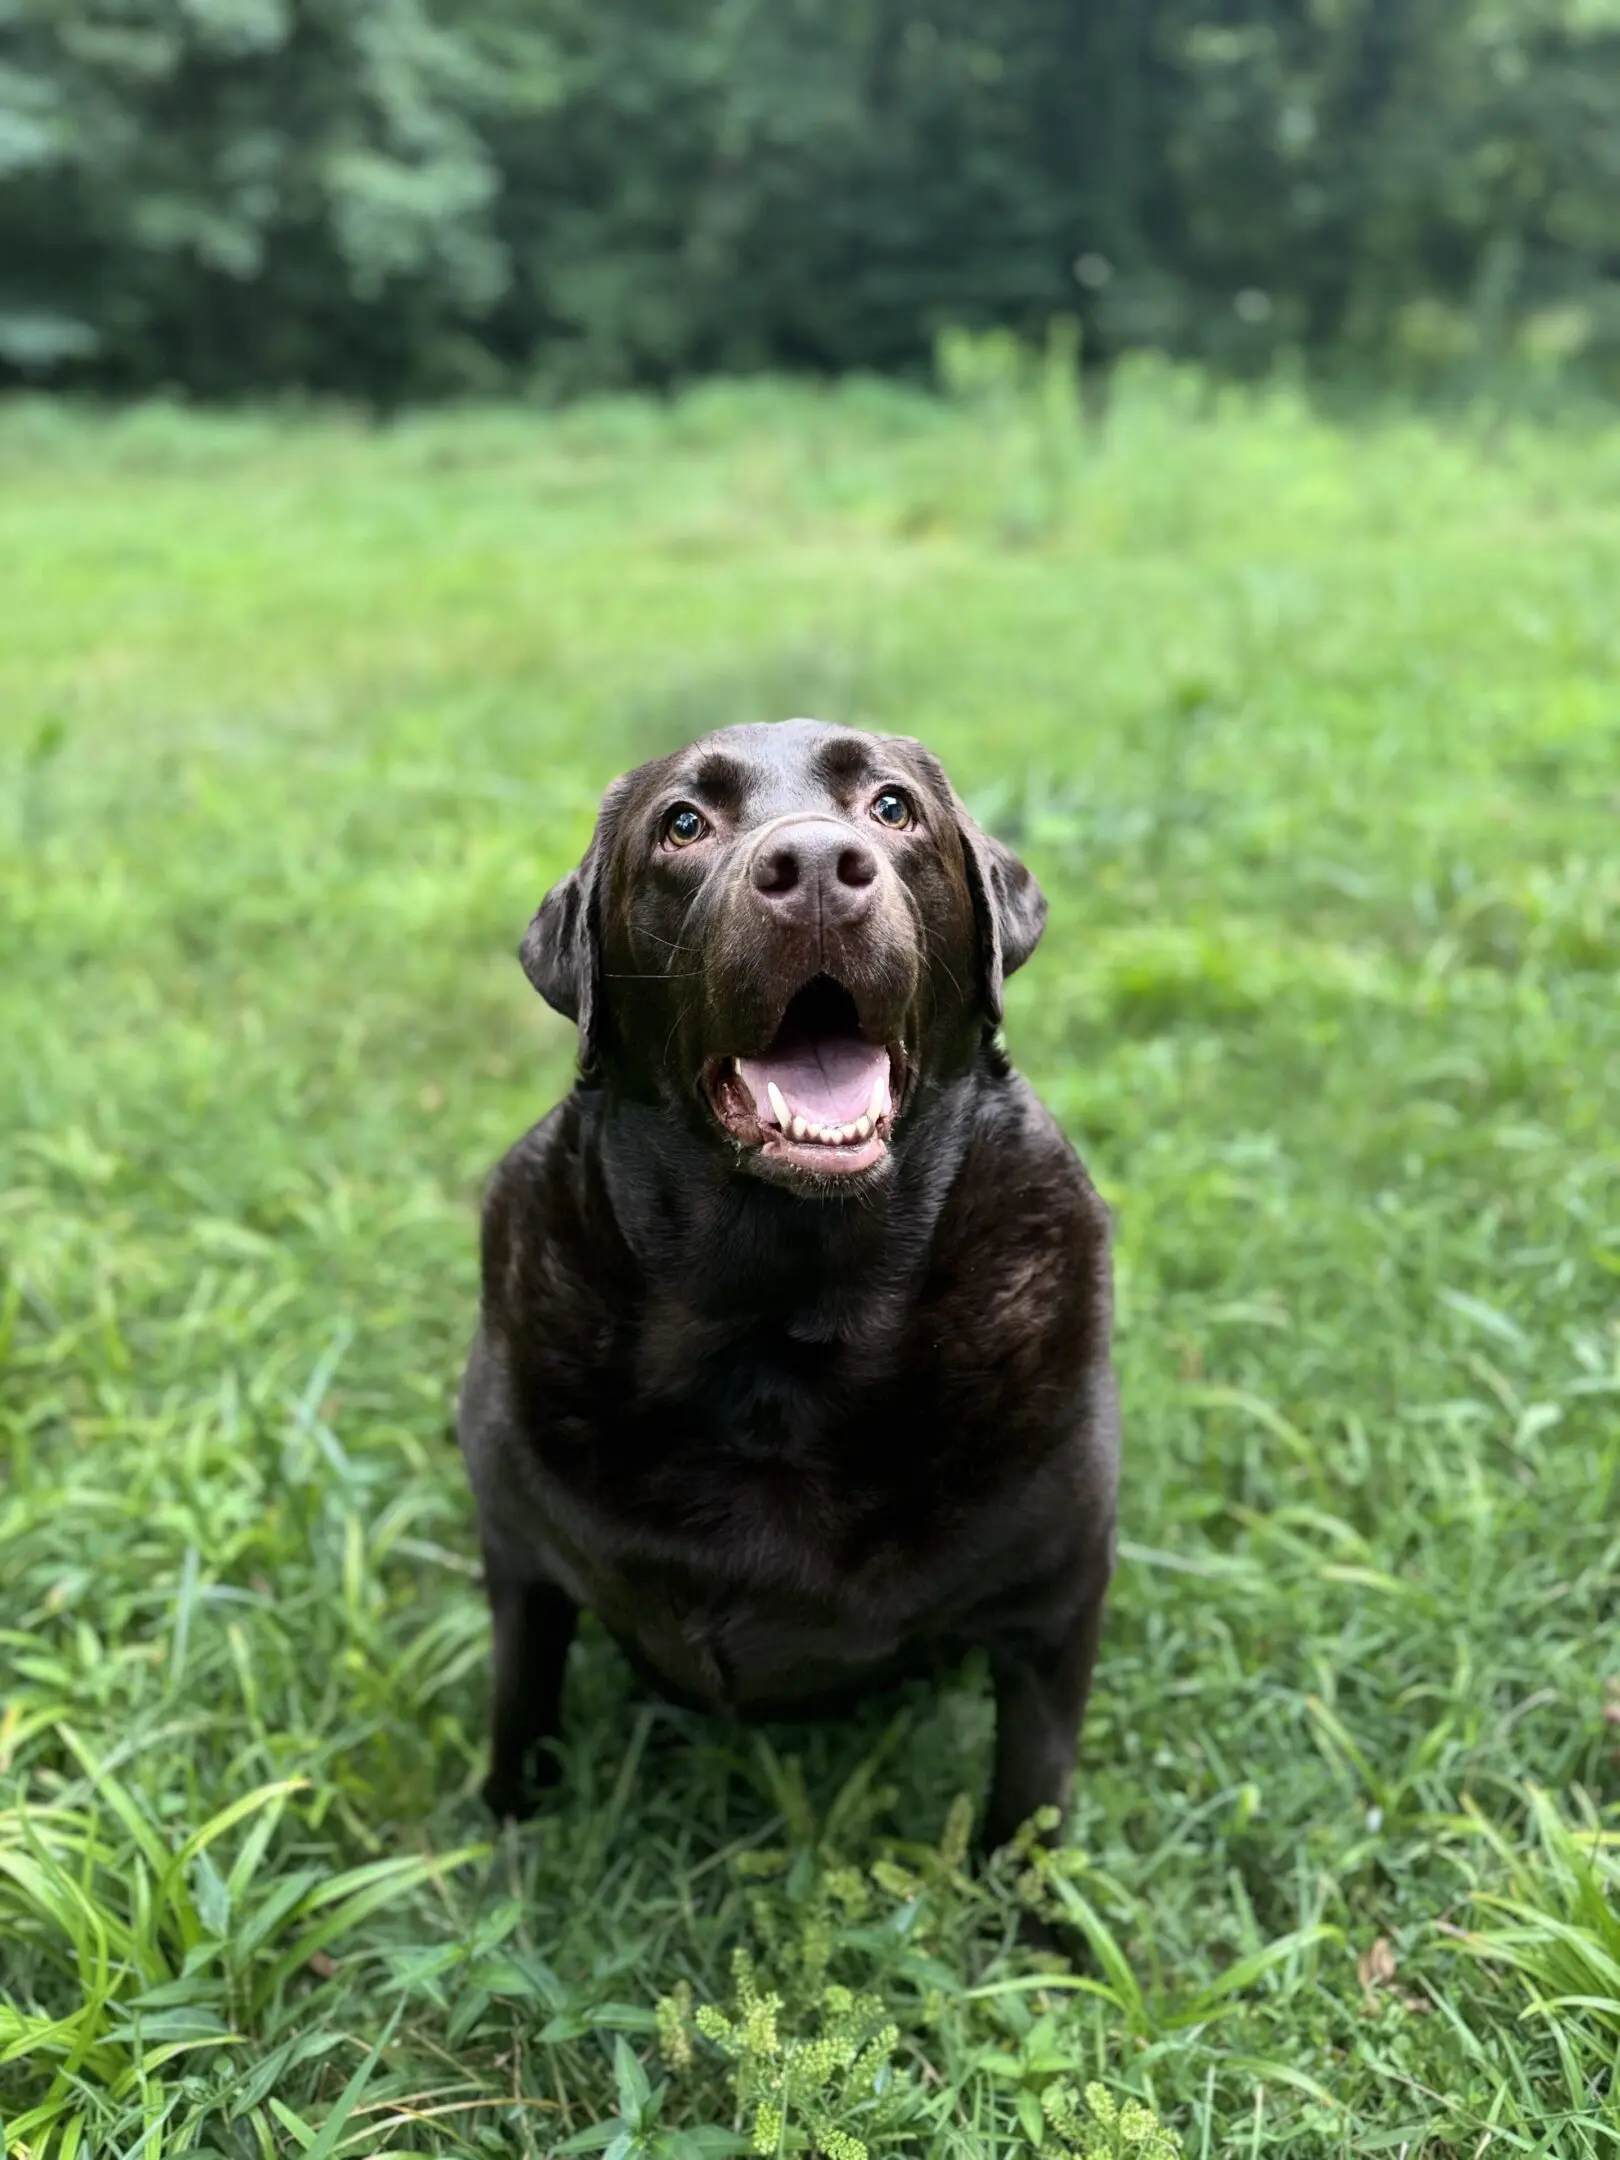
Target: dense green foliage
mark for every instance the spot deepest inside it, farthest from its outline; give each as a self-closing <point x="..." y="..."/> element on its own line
<point x="1312" y="738"/>
<point x="390" y="197"/>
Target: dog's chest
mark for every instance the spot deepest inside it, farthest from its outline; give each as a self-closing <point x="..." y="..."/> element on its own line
<point x="785" y="1465"/>
<point x="772" y="1531"/>
<point x="753" y="1579"/>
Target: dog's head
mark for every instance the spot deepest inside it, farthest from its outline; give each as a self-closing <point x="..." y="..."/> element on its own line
<point x="784" y="933"/>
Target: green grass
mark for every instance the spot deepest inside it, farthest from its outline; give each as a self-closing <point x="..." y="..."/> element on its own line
<point x="1313" y="738"/>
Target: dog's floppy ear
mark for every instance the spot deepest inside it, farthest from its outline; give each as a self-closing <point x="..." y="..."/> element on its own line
<point x="562" y="947"/>
<point x="1009" y="908"/>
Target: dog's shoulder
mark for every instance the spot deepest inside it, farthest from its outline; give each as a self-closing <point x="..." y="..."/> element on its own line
<point x="549" y="1239"/>
<point x="1020" y="1284"/>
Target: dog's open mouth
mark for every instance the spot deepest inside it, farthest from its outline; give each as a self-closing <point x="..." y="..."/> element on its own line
<point x="822" y="1097"/>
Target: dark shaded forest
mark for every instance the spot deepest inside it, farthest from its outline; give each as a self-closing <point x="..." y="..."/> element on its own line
<point x="403" y="198"/>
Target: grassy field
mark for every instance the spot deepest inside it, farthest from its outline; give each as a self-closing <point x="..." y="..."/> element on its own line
<point x="1313" y="737"/>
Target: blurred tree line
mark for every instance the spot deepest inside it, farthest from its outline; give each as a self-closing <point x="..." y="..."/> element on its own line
<point x="394" y="198"/>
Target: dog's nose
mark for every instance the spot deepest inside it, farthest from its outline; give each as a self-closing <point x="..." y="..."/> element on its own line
<point x="815" y="870"/>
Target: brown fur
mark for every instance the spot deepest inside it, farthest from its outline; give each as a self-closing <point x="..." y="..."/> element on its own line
<point x="788" y="1437"/>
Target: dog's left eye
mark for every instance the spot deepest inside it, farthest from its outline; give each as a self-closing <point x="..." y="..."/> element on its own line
<point x="684" y="825"/>
<point x="892" y="809"/>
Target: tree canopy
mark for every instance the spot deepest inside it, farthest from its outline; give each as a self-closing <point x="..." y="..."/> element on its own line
<point x="401" y="197"/>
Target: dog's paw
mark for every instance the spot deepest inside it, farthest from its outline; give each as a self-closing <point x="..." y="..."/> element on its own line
<point x="516" y="1799"/>
<point x="509" y="1800"/>
<point x="1038" y="1931"/>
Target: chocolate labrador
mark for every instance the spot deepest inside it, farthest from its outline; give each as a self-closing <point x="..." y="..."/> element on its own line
<point x="793" y="1361"/>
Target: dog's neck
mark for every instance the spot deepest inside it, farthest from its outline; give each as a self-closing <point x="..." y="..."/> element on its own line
<point x="731" y="1245"/>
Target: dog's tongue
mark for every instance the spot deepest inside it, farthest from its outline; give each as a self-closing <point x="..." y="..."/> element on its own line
<point x="830" y="1079"/>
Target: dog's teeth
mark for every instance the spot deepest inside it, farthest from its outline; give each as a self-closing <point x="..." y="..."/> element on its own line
<point x="862" y="1128"/>
<point x="847" y="1135"/>
<point x="880" y="1088"/>
<point x="784" y="1116"/>
<point x="800" y="1128"/>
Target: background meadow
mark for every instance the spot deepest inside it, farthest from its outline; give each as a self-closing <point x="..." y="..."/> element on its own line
<point x="1311" y="733"/>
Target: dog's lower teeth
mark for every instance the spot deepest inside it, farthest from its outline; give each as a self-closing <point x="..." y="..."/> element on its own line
<point x="795" y="1125"/>
<point x="799" y="1127"/>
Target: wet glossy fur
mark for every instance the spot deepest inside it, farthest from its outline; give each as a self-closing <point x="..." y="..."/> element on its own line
<point x="787" y="1442"/>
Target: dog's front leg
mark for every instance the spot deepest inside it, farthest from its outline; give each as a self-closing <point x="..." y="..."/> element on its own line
<point x="533" y="1623"/>
<point x="1041" y="1689"/>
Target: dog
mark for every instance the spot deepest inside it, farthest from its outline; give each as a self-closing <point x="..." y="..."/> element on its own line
<point x="793" y="1359"/>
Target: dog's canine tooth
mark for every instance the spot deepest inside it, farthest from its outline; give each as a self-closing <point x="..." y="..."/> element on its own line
<point x="784" y="1116"/>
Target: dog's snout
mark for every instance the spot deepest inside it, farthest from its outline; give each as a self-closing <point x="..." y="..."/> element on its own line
<point x="815" y="870"/>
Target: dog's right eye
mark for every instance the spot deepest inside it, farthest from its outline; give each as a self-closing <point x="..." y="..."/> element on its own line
<point x="683" y="825"/>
